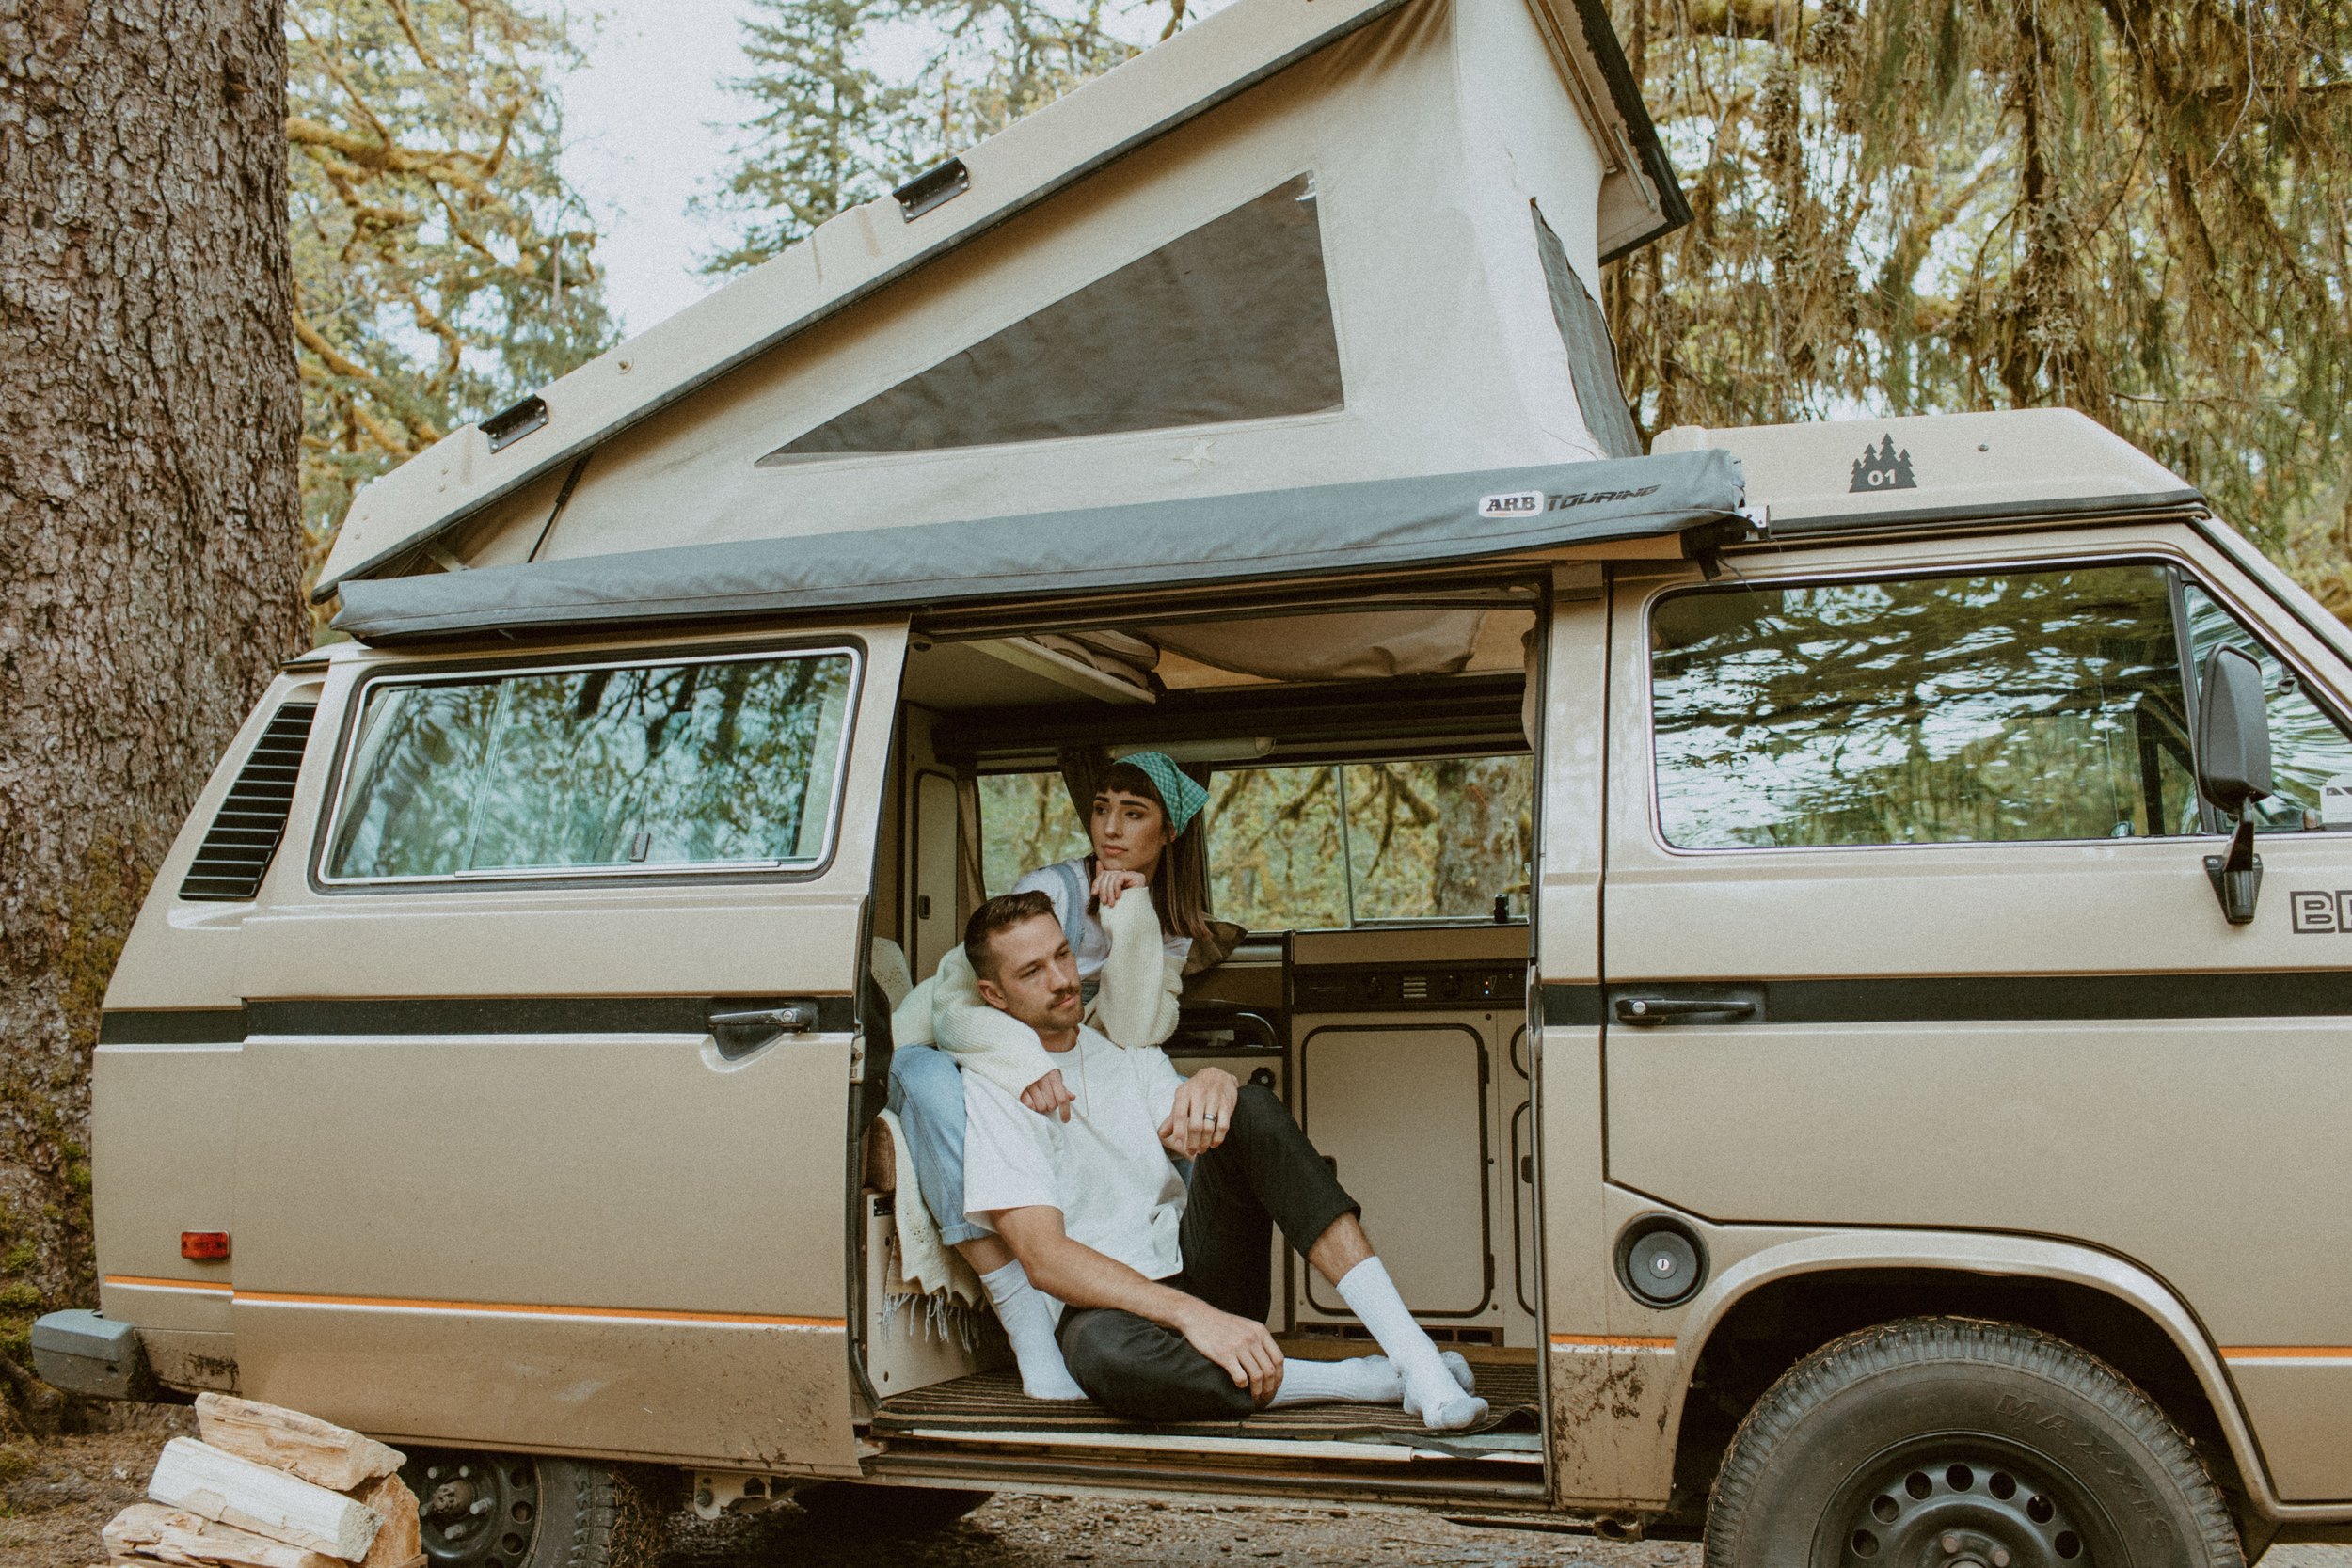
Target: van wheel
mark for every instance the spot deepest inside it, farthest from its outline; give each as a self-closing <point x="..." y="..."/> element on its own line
<point x="868" y="1509"/>
<point x="518" y="1511"/>
<point x="1960" y="1444"/>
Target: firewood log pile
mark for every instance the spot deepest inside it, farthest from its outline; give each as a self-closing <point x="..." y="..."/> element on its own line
<point x="265" y="1487"/>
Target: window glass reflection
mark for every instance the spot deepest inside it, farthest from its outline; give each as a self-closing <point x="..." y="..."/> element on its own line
<point x="2306" y="747"/>
<point x="2012" y="706"/>
<point x="666" y="765"/>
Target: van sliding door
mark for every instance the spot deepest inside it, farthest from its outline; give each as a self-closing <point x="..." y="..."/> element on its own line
<point x="546" y="1095"/>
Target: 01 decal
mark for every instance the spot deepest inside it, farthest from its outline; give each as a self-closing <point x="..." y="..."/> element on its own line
<point x="1881" y="467"/>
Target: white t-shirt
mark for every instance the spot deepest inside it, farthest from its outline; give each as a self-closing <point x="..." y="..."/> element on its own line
<point x="1103" y="1168"/>
<point x="1093" y="943"/>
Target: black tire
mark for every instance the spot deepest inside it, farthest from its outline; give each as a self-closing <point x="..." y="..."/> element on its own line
<point x="859" y="1508"/>
<point x="543" y="1512"/>
<point x="1897" y="1444"/>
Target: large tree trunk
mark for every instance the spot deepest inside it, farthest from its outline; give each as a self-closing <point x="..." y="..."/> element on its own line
<point x="149" y="552"/>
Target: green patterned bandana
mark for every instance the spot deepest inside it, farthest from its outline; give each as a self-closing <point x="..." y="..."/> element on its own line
<point x="1182" y="797"/>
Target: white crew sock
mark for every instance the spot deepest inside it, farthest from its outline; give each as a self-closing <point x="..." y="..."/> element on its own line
<point x="1431" y="1391"/>
<point x="1028" y="1320"/>
<point x="1358" y="1379"/>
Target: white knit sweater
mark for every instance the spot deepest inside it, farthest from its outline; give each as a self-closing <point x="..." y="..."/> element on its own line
<point x="1135" y="1003"/>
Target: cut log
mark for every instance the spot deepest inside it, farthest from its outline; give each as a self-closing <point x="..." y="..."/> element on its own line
<point x="334" y="1457"/>
<point x="156" y="1533"/>
<point x="233" y="1491"/>
<point x="401" y="1542"/>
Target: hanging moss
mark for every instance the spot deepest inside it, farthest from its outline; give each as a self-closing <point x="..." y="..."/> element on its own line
<point x="1920" y="206"/>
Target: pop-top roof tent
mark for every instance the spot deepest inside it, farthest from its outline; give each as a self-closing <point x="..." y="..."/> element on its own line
<point x="1303" y="248"/>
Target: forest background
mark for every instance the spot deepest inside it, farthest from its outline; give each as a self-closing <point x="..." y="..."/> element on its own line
<point x="2131" y="207"/>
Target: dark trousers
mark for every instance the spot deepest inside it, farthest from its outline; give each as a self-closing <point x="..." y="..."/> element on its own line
<point x="1265" y="1174"/>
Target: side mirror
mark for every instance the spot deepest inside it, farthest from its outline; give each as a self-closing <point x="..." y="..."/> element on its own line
<point x="2233" y="769"/>
<point x="2233" y="731"/>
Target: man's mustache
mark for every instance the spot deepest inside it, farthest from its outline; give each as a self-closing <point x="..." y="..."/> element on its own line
<point x="1063" y="998"/>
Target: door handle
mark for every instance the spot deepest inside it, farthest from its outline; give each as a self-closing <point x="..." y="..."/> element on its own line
<point x="1648" y="1010"/>
<point x="741" y="1034"/>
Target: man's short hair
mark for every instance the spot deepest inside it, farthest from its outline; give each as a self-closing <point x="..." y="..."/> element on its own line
<point x="1000" y="913"/>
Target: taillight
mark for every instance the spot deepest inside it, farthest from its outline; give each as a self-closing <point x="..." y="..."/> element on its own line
<point x="204" y="1246"/>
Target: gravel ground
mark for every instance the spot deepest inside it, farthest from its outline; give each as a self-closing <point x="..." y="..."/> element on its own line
<point x="54" y="1497"/>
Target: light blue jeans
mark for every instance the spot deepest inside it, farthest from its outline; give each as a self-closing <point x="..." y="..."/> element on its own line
<point x="927" y="1097"/>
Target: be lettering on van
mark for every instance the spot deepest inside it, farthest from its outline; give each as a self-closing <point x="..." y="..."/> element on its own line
<point x="2322" y="912"/>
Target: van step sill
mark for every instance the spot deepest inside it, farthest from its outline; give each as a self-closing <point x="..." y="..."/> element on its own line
<point x="991" y="1407"/>
<point x="1515" y="1488"/>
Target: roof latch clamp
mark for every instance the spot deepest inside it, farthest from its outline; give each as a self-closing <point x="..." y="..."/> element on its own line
<point x="1704" y="544"/>
<point x="515" y="420"/>
<point x="932" y="187"/>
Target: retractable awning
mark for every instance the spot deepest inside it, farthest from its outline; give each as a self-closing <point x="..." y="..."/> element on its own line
<point x="1372" y="526"/>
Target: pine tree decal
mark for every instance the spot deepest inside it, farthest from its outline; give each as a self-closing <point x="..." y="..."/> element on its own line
<point x="1881" y="467"/>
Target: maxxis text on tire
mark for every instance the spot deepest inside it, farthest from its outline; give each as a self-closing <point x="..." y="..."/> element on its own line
<point x="1972" y="1444"/>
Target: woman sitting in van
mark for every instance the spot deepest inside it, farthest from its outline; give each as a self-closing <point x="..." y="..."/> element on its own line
<point x="1131" y="924"/>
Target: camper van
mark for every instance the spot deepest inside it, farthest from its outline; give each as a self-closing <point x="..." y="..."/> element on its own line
<point x="1876" y="1095"/>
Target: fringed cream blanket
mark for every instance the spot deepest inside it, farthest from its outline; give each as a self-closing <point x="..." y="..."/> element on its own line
<point x="926" y="1278"/>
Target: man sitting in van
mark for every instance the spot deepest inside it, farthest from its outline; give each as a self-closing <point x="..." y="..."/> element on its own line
<point x="1166" y="1283"/>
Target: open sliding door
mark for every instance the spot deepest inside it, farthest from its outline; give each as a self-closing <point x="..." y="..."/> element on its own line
<point x="548" y="1074"/>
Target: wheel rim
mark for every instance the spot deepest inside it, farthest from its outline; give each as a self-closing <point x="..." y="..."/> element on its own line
<point x="1964" y="1500"/>
<point x="478" y="1510"/>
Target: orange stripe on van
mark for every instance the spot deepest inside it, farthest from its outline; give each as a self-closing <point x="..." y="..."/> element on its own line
<point x="2286" y="1352"/>
<point x="1613" y="1342"/>
<point x="220" y="1285"/>
<point x="646" y="1314"/>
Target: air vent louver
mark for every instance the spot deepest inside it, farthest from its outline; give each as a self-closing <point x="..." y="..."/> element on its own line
<point x="237" y="847"/>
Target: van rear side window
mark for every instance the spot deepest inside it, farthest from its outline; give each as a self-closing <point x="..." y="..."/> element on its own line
<point x="719" y="763"/>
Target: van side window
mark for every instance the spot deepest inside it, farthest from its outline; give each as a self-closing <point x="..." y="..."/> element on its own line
<point x="1027" y="821"/>
<point x="2308" y="746"/>
<point x="728" y="762"/>
<point x="2019" y="706"/>
<point x="1325" y="848"/>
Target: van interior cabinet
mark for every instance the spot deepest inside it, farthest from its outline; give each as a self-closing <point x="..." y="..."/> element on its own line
<point x="1399" y="1109"/>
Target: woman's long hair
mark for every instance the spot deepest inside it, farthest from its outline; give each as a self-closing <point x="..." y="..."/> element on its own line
<point x="1180" y="882"/>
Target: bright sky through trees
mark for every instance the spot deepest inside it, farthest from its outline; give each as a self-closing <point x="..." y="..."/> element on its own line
<point x="649" y="122"/>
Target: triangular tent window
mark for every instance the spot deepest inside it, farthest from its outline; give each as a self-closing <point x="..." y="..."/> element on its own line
<point x="1592" y="358"/>
<point x="1231" y="321"/>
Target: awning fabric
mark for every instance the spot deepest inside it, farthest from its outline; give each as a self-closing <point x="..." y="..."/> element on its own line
<point x="1372" y="524"/>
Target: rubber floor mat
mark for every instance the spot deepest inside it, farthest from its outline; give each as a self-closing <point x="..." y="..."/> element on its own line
<point x="992" y="1402"/>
